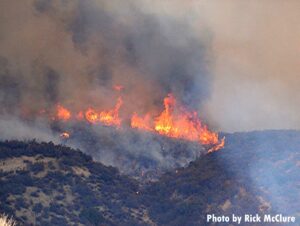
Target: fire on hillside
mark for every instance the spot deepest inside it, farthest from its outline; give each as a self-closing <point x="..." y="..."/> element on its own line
<point x="174" y="121"/>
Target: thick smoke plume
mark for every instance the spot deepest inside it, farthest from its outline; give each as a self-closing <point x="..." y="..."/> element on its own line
<point x="235" y="63"/>
<point x="74" y="53"/>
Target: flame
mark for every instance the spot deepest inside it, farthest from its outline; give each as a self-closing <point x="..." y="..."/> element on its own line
<point x="218" y="146"/>
<point x="141" y="122"/>
<point x="109" y="118"/>
<point x="92" y="116"/>
<point x="62" y="113"/>
<point x="65" y="135"/>
<point x="174" y="121"/>
<point x="112" y="117"/>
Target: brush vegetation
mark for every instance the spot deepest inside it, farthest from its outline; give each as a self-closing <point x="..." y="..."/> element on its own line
<point x="47" y="184"/>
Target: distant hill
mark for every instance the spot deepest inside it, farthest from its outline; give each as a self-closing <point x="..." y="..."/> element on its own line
<point x="46" y="184"/>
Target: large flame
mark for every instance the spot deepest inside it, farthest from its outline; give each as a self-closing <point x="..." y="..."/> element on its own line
<point x="174" y="121"/>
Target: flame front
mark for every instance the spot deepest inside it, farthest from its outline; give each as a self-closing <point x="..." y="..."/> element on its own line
<point x="109" y="118"/>
<point x="174" y="121"/>
<point x="141" y="123"/>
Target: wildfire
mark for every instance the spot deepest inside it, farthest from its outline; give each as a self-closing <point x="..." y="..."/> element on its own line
<point x="174" y="121"/>
<point x="62" y="113"/>
<point x="218" y="146"/>
<point x="92" y="116"/>
<point x="111" y="117"/>
<point x="141" y="123"/>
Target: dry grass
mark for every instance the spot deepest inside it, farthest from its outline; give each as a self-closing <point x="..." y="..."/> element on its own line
<point x="6" y="221"/>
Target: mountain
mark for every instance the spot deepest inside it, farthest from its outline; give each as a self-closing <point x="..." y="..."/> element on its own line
<point x="256" y="172"/>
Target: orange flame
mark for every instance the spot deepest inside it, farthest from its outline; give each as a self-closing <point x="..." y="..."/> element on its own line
<point x="177" y="122"/>
<point x="91" y="115"/>
<point x="141" y="123"/>
<point x="108" y="118"/>
<point x="62" y="113"/>
<point x="218" y="146"/>
<point x="112" y="117"/>
<point x="174" y="121"/>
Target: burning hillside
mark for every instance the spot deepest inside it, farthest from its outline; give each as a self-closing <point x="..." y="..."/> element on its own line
<point x="141" y="146"/>
<point x="174" y="121"/>
<point x="121" y="87"/>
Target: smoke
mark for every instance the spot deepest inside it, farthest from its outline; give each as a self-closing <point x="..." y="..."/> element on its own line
<point x="256" y="67"/>
<point x="74" y="52"/>
<point x="255" y="51"/>
<point x="214" y="56"/>
<point x="12" y="128"/>
<point x="232" y="61"/>
<point x="137" y="153"/>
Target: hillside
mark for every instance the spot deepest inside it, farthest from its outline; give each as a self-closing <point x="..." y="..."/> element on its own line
<point x="46" y="184"/>
<point x="257" y="172"/>
<point x="43" y="184"/>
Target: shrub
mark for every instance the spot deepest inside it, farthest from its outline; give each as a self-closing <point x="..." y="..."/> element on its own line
<point x="37" y="208"/>
<point x="92" y="215"/>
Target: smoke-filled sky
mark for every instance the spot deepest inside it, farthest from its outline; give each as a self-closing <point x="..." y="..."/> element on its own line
<point x="237" y="62"/>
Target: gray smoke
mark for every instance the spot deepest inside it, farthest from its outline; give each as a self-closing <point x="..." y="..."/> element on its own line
<point x="75" y="52"/>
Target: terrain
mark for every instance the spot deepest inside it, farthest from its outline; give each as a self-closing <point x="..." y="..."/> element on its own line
<point x="47" y="184"/>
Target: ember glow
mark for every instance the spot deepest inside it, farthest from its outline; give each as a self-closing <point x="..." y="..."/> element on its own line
<point x="62" y="113"/>
<point x="174" y="121"/>
<point x="65" y="135"/>
<point x="118" y="87"/>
